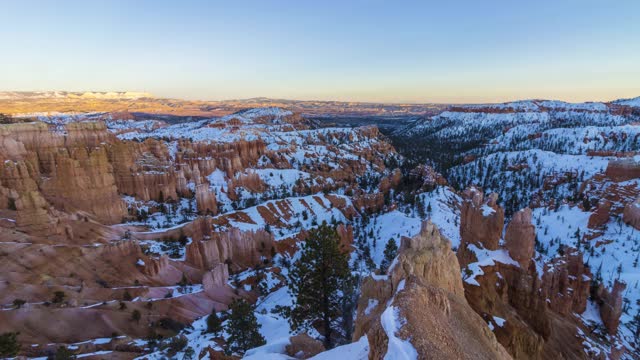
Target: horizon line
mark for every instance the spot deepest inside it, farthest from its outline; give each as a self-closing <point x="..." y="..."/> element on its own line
<point x="409" y="103"/>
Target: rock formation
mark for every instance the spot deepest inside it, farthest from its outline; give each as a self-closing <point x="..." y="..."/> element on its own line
<point x="239" y="249"/>
<point x="566" y="283"/>
<point x="425" y="276"/>
<point x="600" y="215"/>
<point x="303" y="346"/>
<point x="481" y="223"/>
<point x="537" y="310"/>
<point x="481" y="219"/>
<point x="68" y="169"/>
<point x="611" y="306"/>
<point x="631" y="214"/>
<point x="623" y="169"/>
<point x="206" y="200"/>
<point x="520" y="237"/>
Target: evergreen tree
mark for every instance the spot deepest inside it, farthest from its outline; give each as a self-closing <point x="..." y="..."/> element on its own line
<point x="18" y="303"/>
<point x="9" y="346"/>
<point x="635" y="325"/>
<point x="63" y="353"/>
<point x="214" y="324"/>
<point x="318" y="280"/>
<point x="136" y="316"/>
<point x="242" y="328"/>
<point x="390" y="251"/>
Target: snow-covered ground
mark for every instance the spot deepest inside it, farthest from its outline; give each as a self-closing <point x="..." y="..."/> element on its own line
<point x="293" y="214"/>
<point x="151" y="213"/>
<point x="616" y="258"/>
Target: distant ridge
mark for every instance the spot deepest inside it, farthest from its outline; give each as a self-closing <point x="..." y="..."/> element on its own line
<point x="103" y="95"/>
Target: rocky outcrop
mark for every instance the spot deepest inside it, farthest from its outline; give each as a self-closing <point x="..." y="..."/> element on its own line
<point x="623" y="169"/>
<point x="631" y="214"/>
<point x="520" y="237"/>
<point x="239" y="249"/>
<point x="611" y="305"/>
<point x="600" y="215"/>
<point x="82" y="179"/>
<point x="230" y="157"/>
<point x="67" y="166"/>
<point x="214" y="279"/>
<point x="144" y="170"/>
<point x="390" y="182"/>
<point x="429" y="177"/>
<point x="481" y="223"/>
<point x="250" y="181"/>
<point x="369" y="203"/>
<point x="536" y="309"/>
<point x="425" y="276"/>
<point x="303" y="346"/>
<point x="566" y="283"/>
<point x="33" y="215"/>
<point x="206" y="200"/>
<point x="481" y="219"/>
<point x="345" y="233"/>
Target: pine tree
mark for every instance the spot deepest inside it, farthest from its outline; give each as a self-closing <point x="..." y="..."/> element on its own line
<point x="214" y="324"/>
<point x="9" y="346"/>
<point x="635" y="325"/>
<point x="64" y="353"/>
<point x="318" y="280"/>
<point x="390" y="251"/>
<point x="136" y="316"/>
<point x="242" y="328"/>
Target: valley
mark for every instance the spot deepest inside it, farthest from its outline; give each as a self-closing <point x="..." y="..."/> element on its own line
<point x="128" y="223"/>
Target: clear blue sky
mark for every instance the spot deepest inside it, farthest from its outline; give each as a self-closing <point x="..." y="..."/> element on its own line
<point x="393" y="51"/>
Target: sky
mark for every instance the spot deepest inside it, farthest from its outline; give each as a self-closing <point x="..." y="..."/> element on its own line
<point x="378" y="51"/>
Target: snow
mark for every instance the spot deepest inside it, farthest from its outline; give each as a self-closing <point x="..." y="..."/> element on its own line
<point x="540" y="105"/>
<point x="445" y="212"/>
<point x="275" y="328"/>
<point x="118" y="125"/>
<point x="269" y="351"/>
<point x="397" y="349"/>
<point x="485" y="258"/>
<point x="391" y="225"/>
<point x="634" y="102"/>
<point x="173" y="250"/>
<point x="487" y="210"/>
<point x="277" y="178"/>
<point x="248" y="116"/>
<point x="289" y="212"/>
<point x="97" y="353"/>
<point x="592" y="314"/>
<point x="370" y="306"/>
<point x="523" y="105"/>
<point x="557" y="228"/>
<point x="217" y="178"/>
<point x="499" y="321"/>
<point x="175" y="214"/>
<point x="198" y="339"/>
<point x="358" y="350"/>
<point x="549" y="161"/>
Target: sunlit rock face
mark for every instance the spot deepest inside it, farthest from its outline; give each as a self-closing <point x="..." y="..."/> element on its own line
<point x="424" y="276"/>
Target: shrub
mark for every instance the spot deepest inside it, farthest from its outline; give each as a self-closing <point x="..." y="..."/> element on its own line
<point x="58" y="297"/>
<point x="18" y="303"/>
